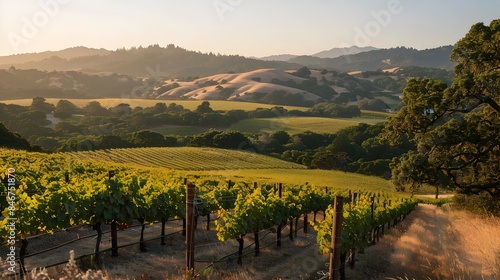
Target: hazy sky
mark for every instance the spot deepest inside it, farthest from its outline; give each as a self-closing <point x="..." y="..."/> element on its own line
<point x="245" y="27"/>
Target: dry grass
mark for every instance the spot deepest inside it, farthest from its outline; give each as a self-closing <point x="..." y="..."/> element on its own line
<point x="435" y="244"/>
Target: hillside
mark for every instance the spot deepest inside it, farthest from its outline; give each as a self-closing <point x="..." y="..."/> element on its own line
<point x="382" y="59"/>
<point x="16" y="84"/>
<point x="68" y="53"/>
<point x="151" y="62"/>
<point x="241" y="87"/>
<point x="331" y="53"/>
<point x="188" y="158"/>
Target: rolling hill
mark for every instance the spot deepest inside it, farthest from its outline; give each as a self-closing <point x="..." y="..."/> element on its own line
<point x="150" y="62"/>
<point x="382" y="59"/>
<point x="239" y="87"/>
<point x="331" y="53"/>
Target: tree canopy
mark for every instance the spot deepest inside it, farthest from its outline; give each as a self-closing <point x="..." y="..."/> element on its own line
<point x="455" y="128"/>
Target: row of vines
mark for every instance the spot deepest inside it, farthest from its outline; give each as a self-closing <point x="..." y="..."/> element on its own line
<point x="54" y="192"/>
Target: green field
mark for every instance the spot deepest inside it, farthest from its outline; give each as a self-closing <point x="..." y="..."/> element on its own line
<point x="317" y="177"/>
<point x="188" y="104"/>
<point x="188" y="158"/>
<point x="294" y="125"/>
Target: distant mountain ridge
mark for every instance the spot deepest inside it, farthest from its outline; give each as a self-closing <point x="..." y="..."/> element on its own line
<point x="336" y="52"/>
<point x="382" y="59"/>
<point x="65" y="54"/>
<point x="332" y="53"/>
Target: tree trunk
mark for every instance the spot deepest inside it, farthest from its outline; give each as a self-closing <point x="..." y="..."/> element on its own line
<point x="240" y="249"/>
<point x="22" y="253"/>
<point x="163" y="222"/>
<point x="257" y="245"/>
<point x="208" y="221"/>
<point x="343" y="258"/>
<point x="95" y="261"/>
<point x="114" y="239"/>
<point x="278" y="236"/>
<point x="352" y="259"/>
<point x="296" y="225"/>
<point x="142" y="246"/>
<point x="305" y="223"/>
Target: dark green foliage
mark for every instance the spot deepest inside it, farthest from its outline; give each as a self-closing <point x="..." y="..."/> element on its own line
<point x="148" y="139"/>
<point x="303" y="72"/>
<point x="372" y="105"/>
<point x="12" y="140"/>
<point x="332" y="110"/>
<point x="94" y="108"/>
<point x="39" y="104"/>
<point x="231" y="140"/>
<point x="456" y="128"/>
<point x="205" y="139"/>
<point x="204" y="108"/>
<point x="65" y="109"/>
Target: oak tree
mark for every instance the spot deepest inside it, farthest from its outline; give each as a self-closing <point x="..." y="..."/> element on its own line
<point x="456" y="128"/>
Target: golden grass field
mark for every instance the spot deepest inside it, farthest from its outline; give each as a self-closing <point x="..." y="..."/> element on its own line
<point x="188" y="104"/>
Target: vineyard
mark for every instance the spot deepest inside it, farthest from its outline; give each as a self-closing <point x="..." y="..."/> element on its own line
<point x="188" y="158"/>
<point x="50" y="193"/>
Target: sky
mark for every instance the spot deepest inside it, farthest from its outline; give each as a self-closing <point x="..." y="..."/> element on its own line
<point x="245" y="27"/>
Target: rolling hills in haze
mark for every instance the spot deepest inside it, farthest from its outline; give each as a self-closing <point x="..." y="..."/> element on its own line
<point x="151" y="62"/>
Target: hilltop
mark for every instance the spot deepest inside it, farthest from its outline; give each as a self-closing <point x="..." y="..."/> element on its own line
<point x="331" y="53"/>
<point x="172" y="61"/>
<point x="152" y="62"/>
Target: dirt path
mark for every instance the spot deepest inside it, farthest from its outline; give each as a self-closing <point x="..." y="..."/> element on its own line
<point x="435" y="244"/>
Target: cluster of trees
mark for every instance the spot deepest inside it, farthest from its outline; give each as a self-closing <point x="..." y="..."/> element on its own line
<point x="119" y="126"/>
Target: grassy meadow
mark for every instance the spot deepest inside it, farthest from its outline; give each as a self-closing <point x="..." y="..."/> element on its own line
<point x="294" y="125"/>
